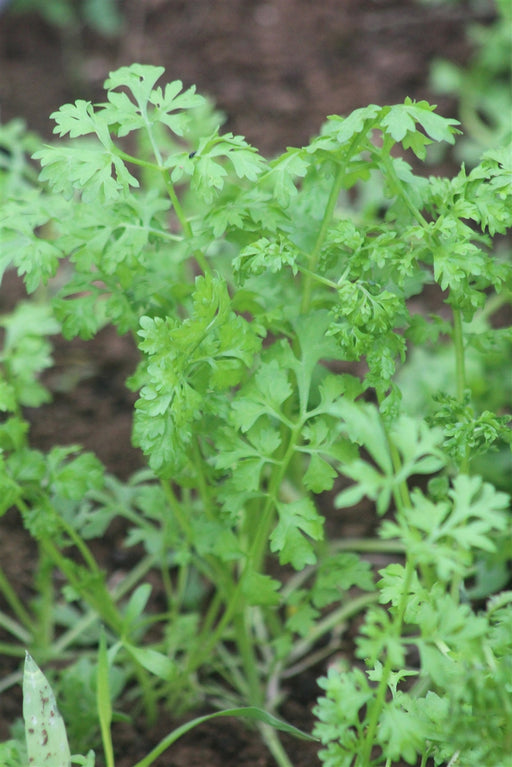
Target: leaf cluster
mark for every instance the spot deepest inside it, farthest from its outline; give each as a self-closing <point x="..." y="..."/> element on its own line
<point x="275" y="322"/>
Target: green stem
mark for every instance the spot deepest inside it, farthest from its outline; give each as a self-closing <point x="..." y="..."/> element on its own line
<point x="334" y="619"/>
<point x="393" y="180"/>
<point x="14" y="628"/>
<point x="369" y="545"/>
<point x="322" y="234"/>
<point x="460" y="372"/>
<point x="14" y="602"/>
<point x="178" y="208"/>
<point x="45" y="603"/>
<point x="458" y="341"/>
<point x="247" y="652"/>
<point x="400" y="493"/>
<point x="255" y="555"/>
<point x="208" y="565"/>
<point x="95" y="595"/>
<point x="202" y="484"/>
<point x="274" y="745"/>
<point x="375" y="709"/>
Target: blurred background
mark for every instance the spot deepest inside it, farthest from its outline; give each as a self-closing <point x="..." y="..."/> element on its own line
<point x="276" y="68"/>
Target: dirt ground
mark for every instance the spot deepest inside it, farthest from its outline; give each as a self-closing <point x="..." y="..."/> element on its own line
<point x="276" y="68"/>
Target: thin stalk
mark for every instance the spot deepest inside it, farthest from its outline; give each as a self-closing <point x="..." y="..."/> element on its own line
<point x="202" y="485"/>
<point x="81" y="546"/>
<point x="134" y="576"/>
<point x="274" y="745"/>
<point x="458" y="342"/>
<point x="460" y="371"/>
<point x="8" y="649"/>
<point x="177" y="510"/>
<point x="10" y="680"/>
<point x="342" y="614"/>
<point x="400" y="190"/>
<point x="375" y="709"/>
<point x="14" y="628"/>
<point x="322" y="234"/>
<point x="230" y="671"/>
<point x="247" y="652"/>
<point x="215" y="574"/>
<point x="168" y="588"/>
<point x="97" y="595"/>
<point x="212" y="613"/>
<point x="403" y="500"/>
<point x="400" y="493"/>
<point x="44" y="583"/>
<point x="317" y="277"/>
<point x="369" y="545"/>
<point x="255" y="555"/>
<point x="178" y="208"/>
<point x="67" y="639"/>
<point x="156" y="232"/>
<point x="14" y="602"/>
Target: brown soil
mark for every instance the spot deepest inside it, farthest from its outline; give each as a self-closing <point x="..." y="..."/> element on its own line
<point x="276" y="68"/>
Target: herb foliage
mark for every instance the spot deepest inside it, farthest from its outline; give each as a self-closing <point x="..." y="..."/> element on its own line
<point x="248" y="285"/>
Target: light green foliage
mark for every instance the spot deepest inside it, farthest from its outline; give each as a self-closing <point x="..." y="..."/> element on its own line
<point x="25" y="354"/>
<point x="251" y="288"/>
<point x="16" y="146"/>
<point x="12" y="754"/>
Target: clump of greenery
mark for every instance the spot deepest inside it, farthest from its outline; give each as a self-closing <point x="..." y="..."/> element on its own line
<point x="247" y="286"/>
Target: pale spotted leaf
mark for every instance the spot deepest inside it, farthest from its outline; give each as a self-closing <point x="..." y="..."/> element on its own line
<point x="45" y="732"/>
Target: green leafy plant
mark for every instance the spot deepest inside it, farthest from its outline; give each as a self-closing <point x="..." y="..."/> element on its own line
<point x="275" y="319"/>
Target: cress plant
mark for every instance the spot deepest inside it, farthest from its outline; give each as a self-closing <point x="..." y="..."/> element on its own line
<point x="278" y="308"/>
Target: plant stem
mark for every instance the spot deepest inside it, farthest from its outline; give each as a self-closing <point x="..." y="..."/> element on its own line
<point x="375" y="709"/>
<point x="322" y="234"/>
<point x="249" y="660"/>
<point x="178" y="208"/>
<point x="392" y="177"/>
<point x="460" y="372"/>
<point x="95" y="593"/>
<point x="335" y="618"/>
<point x="369" y="545"/>
<point x="14" y="602"/>
<point x="14" y="628"/>
<point x="401" y="493"/>
<point x="458" y="341"/>
<point x="255" y="555"/>
<point x="274" y="745"/>
<point x="43" y="580"/>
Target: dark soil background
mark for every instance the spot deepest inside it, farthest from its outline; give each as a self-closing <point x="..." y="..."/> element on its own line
<point x="276" y="68"/>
